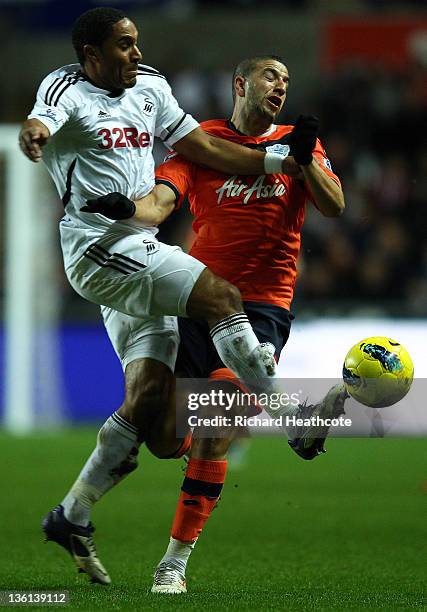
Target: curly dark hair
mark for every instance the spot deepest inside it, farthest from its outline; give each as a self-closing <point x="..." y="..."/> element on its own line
<point x="93" y="27"/>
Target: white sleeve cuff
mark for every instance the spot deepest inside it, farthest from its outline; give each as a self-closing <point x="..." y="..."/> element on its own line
<point x="51" y="125"/>
<point x="179" y="129"/>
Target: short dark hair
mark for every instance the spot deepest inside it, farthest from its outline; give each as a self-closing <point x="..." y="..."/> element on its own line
<point x="247" y="66"/>
<point x="93" y="27"/>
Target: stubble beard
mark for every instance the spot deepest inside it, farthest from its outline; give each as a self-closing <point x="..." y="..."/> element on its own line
<point x="254" y="107"/>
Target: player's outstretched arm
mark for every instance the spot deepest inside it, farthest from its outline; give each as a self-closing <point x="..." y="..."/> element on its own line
<point x="151" y="210"/>
<point x="156" y="207"/>
<point x="326" y="192"/>
<point x="230" y="158"/>
<point x="32" y="137"/>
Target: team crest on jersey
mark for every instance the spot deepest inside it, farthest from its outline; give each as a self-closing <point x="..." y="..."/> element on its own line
<point x="328" y="164"/>
<point x="151" y="246"/>
<point x="148" y="106"/>
<point x="281" y="149"/>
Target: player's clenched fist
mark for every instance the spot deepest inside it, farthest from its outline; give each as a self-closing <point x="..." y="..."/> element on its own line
<point x="114" y="205"/>
<point x="32" y="137"/>
<point x="302" y="139"/>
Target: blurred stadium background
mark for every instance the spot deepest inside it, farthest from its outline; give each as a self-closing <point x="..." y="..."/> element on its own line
<point x="361" y="66"/>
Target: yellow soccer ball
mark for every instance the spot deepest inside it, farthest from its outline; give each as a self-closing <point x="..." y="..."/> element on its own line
<point x="378" y="372"/>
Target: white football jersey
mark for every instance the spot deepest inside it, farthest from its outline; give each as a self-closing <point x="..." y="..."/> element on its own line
<point x="102" y="142"/>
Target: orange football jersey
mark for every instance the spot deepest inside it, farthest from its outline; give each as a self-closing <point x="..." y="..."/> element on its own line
<point x="248" y="228"/>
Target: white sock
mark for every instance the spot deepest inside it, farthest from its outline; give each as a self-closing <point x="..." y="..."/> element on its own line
<point x="252" y="362"/>
<point x="177" y="554"/>
<point x="237" y="345"/>
<point x="113" y="458"/>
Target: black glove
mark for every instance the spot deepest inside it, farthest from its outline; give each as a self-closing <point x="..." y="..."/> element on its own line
<point x="114" y="205"/>
<point x="302" y="139"/>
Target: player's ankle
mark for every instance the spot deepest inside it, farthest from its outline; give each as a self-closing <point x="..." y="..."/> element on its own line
<point x="177" y="554"/>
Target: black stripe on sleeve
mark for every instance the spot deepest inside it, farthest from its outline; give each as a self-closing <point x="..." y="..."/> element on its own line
<point x="72" y="81"/>
<point x="61" y="83"/>
<point x="148" y="69"/>
<point x="151" y="74"/>
<point x="52" y="85"/>
<point x="160" y="181"/>
<point x="60" y="94"/>
<point x="174" y="129"/>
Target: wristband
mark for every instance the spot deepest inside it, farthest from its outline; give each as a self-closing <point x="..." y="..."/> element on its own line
<point x="273" y="163"/>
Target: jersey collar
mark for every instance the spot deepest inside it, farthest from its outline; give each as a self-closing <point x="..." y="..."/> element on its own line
<point x="111" y="94"/>
<point x="270" y="130"/>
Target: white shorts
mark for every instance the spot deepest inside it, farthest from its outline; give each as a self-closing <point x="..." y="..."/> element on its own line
<point x="136" y="275"/>
<point x="133" y="338"/>
<point x="141" y="284"/>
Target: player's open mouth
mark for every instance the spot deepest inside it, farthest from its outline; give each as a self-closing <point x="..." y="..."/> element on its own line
<point x="275" y="101"/>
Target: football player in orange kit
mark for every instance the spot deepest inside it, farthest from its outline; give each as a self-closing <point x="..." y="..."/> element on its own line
<point x="248" y="231"/>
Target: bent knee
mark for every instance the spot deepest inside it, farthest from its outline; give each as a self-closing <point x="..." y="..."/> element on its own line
<point x="164" y="448"/>
<point x="213" y="298"/>
<point x="151" y="393"/>
<point x="227" y="302"/>
<point x="143" y="403"/>
<point x="229" y="296"/>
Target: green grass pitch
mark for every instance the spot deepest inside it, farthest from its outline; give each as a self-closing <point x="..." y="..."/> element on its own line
<point x="344" y="532"/>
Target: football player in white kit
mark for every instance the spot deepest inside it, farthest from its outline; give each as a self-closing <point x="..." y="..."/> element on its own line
<point x="94" y="124"/>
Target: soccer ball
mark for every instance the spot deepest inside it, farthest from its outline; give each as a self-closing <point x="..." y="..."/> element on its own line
<point x="378" y="372"/>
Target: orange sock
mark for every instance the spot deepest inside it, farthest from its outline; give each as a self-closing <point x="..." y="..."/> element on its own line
<point x="199" y="494"/>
